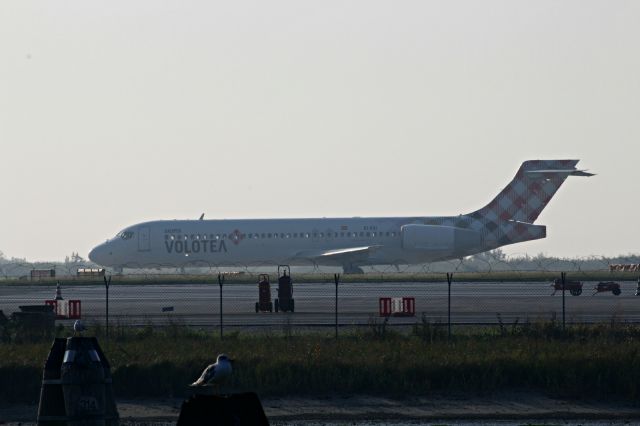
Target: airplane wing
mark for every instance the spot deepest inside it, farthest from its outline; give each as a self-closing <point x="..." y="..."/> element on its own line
<point x="344" y="255"/>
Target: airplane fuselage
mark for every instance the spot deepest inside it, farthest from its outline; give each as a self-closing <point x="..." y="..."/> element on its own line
<point x="255" y="242"/>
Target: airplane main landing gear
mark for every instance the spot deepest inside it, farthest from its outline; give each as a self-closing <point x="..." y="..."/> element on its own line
<point x="352" y="269"/>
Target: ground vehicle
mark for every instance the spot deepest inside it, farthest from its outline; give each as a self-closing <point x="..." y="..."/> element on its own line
<point x="285" y="301"/>
<point x="264" y="303"/>
<point x="574" y="287"/>
<point x="611" y="286"/>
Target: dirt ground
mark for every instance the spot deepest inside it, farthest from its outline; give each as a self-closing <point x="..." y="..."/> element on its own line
<point x="511" y="406"/>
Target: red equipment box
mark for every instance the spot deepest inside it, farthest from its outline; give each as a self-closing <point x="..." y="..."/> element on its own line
<point x="71" y="310"/>
<point x="397" y="306"/>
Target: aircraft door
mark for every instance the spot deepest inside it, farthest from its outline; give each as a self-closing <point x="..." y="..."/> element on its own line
<point x="144" y="238"/>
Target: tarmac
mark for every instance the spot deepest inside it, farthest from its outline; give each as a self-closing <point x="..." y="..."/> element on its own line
<point x="315" y="304"/>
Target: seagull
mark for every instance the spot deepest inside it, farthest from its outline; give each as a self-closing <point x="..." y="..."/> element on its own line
<point x="78" y="327"/>
<point x="215" y="373"/>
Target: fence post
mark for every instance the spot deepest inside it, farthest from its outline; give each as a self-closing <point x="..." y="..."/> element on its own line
<point x="336" y="278"/>
<point x="107" y="283"/>
<point x="221" y="283"/>
<point x="563" y="277"/>
<point x="449" y="279"/>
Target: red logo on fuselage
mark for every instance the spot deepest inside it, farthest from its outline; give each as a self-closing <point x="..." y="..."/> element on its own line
<point x="236" y="237"/>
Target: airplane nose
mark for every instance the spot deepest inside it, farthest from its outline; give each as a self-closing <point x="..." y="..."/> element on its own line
<point x="98" y="255"/>
<point x="92" y="255"/>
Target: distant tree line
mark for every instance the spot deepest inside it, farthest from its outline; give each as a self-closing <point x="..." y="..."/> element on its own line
<point x="497" y="260"/>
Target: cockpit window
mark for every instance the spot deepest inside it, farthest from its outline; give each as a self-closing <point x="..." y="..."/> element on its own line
<point x="125" y="235"/>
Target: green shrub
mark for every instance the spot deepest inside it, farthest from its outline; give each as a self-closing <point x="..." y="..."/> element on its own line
<point x="584" y="361"/>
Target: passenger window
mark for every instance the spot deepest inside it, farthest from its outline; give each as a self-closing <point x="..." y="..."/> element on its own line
<point x="321" y="235"/>
<point x="306" y="235"/>
<point x="268" y="235"/>
<point x="368" y="234"/>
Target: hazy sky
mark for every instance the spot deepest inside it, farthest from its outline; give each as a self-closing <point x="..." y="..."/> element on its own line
<point x="116" y="112"/>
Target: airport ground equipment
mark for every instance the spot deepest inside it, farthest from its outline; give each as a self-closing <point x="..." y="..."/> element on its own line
<point x="66" y="309"/>
<point x="603" y="287"/>
<point x="574" y="287"/>
<point x="285" y="301"/>
<point x="397" y="306"/>
<point x="264" y="303"/>
<point x="90" y="272"/>
<point x="38" y="274"/>
<point x="77" y="385"/>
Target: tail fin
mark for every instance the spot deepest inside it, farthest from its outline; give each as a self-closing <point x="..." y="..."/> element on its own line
<point x="530" y="191"/>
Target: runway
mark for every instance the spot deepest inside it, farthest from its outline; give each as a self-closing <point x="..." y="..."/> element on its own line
<point x="358" y="303"/>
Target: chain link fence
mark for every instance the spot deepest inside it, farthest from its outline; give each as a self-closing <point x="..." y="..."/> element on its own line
<point x="497" y="294"/>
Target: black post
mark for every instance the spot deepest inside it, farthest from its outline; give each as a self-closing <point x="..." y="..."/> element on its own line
<point x="449" y="279"/>
<point x="107" y="283"/>
<point x="221" y="283"/>
<point x="336" y="278"/>
<point x="563" y="276"/>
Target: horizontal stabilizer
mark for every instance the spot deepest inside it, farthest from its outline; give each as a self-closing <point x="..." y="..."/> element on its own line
<point x="568" y="172"/>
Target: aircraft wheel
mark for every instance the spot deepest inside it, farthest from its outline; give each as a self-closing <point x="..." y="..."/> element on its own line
<point x="576" y="292"/>
<point x="277" y="305"/>
<point x="616" y="291"/>
<point x="257" y="307"/>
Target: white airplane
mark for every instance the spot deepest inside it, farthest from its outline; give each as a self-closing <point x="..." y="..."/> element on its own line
<point x="348" y="242"/>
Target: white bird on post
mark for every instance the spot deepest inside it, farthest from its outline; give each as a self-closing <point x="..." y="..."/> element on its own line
<point x="215" y="374"/>
<point x="78" y="328"/>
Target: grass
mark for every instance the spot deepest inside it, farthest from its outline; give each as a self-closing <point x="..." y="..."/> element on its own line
<point x="601" y="361"/>
<point x="248" y="278"/>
